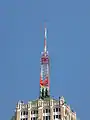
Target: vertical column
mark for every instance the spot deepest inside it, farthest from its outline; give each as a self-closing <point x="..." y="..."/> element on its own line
<point x="17" y="115"/>
<point x="29" y="118"/>
<point x="18" y="109"/>
<point x="29" y="110"/>
<point x="40" y="116"/>
<point x="62" y="106"/>
<point x="40" y="110"/>
<point x="70" y="116"/>
<point x="75" y="116"/>
<point x="51" y="110"/>
<point x="62" y="112"/>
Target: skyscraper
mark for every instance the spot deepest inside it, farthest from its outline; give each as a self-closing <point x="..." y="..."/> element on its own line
<point x="44" y="107"/>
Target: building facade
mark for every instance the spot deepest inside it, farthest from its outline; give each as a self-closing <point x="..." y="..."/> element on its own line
<point x="45" y="107"/>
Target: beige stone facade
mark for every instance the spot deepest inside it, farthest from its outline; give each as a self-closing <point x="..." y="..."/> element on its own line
<point x="44" y="109"/>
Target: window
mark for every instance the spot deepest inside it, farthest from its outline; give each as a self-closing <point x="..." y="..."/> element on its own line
<point x="24" y="113"/>
<point x="56" y="116"/>
<point x="34" y="112"/>
<point x="37" y="111"/>
<point x="43" y="117"/>
<point x="56" y="109"/>
<point x="21" y="113"/>
<point x="23" y="118"/>
<point x="46" y="117"/>
<point x="49" y="110"/>
<point x="46" y="110"/>
<point x="43" y="111"/>
<point x="26" y="119"/>
<point x="59" y="109"/>
<point x="49" y="117"/>
<point x="31" y="118"/>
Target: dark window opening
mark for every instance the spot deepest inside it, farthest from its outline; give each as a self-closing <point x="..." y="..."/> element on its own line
<point x="56" y="109"/>
<point x="43" y="111"/>
<point x="43" y="117"/>
<point x="34" y="112"/>
<point x="49" y="110"/>
<point x="46" y="110"/>
<point x="33" y="118"/>
<point x="56" y="116"/>
<point x="46" y="117"/>
<point x="21" y="113"/>
<point x="26" y="113"/>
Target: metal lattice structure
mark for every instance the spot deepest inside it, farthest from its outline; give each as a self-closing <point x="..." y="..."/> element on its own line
<point x="44" y="71"/>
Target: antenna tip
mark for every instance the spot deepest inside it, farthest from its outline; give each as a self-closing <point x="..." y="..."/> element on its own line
<point x="45" y="32"/>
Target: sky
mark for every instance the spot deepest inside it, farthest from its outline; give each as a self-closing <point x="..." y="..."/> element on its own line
<point x="22" y="41"/>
